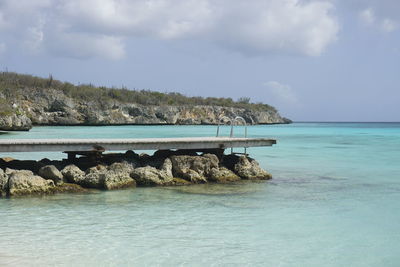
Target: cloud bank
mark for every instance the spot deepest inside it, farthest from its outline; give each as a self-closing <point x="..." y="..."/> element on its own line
<point x="99" y="28"/>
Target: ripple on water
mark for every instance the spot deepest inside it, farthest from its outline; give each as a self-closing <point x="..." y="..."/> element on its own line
<point x="238" y="188"/>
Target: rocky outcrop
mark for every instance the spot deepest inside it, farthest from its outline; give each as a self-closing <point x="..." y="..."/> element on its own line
<point x="53" y="107"/>
<point x="116" y="176"/>
<point x="222" y="175"/>
<point x="249" y="169"/>
<point x="194" y="168"/>
<point x="115" y="171"/>
<point x="15" y="122"/>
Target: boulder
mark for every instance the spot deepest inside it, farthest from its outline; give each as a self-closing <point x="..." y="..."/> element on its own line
<point x="117" y="180"/>
<point x="14" y="122"/>
<point x="118" y="176"/>
<point x="50" y="172"/>
<point x="222" y="175"/>
<point x="194" y="168"/>
<point x="73" y="174"/>
<point x="94" y="177"/>
<point x="24" y="182"/>
<point x="152" y="176"/>
<point x="248" y="168"/>
<point x="115" y="176"/>
<point x="3" y="183"/>
<point x="124" y="166"/>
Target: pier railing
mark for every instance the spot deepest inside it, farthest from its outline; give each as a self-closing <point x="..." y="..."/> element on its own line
<point x="233" y="122"/>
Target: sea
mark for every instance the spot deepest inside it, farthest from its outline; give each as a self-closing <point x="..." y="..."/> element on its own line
<point x="334" y="200"/>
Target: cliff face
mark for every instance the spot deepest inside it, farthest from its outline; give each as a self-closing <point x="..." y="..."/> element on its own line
<point x="52" y="107"/>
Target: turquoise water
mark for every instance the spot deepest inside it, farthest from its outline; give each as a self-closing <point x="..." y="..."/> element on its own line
<point x="334" y="201"/>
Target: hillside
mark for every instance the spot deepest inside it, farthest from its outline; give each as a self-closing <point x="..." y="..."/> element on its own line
<point x="27" y="100"/>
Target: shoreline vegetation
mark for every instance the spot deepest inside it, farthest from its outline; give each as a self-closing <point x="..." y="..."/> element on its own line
<point x="27" y="100"/>
<point x="125" y="170"/>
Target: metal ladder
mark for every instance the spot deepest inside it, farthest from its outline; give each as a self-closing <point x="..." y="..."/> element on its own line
<point x="233" y="123"/>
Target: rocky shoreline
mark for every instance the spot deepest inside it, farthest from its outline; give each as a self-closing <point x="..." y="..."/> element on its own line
<point x="124" y="170"/>
<point x="46" y="106"/>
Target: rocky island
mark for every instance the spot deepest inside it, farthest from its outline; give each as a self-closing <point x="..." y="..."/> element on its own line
<point x="27" y="100"/>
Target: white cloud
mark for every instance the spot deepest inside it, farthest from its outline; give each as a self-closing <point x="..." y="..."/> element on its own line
<point x="367" y="16"/>
<point x="389" y="25"/>
<point x="283" y="93"/>
<point x="380" y="18"/>
<point x="256" y="27"/>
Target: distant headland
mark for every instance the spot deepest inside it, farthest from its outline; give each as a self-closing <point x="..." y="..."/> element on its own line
<point x="27" y="100"/>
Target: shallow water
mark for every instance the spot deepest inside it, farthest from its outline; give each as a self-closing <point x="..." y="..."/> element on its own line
<point x="334" y="201"/>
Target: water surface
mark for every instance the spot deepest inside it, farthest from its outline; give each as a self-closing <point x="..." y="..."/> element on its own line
<point x="334" y="201"/>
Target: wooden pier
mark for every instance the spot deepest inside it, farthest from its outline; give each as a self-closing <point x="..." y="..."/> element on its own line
<point x="194" y="143"/>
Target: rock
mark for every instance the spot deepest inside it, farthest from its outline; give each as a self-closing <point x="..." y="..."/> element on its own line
<point x="15" y="122"/>
<point x="222" y="175"/>
<point x="118" y="176"/>
<point x="110" y="158"/>
<point x="94" y="177"/>
<point x="31" y="165"/>
<point x="69" y="188"/>
<point x="50" y="172"/>
<point x="23" y="182"/>
<point x="73" y="174"/>
<point x="124" y="166"/>
<point x="193" y="168"/>
<point x="45" y="161"/>
<point x="7" y="159"/>
<point x="214" y="161"/>
<point x="249" y="169"/>
<point x="117" y="180"/>
<point x="229" y="161"/>
<point x="194" y="176"/>
<point x="179" y="181"/>
<point x="3" y="183"/>
<point x="9" y="171"/>
<point x="131" y="155"/>
<point x="152" y="176"/>
<point x="115" y="176"/>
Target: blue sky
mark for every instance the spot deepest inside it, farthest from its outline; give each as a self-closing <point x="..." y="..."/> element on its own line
<point x="315" y="60"/>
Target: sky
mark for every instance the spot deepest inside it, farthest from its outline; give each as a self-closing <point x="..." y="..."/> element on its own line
<point x="314" y="60"/>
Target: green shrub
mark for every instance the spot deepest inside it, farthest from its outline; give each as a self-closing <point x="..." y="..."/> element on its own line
<point x="11" y="83"/>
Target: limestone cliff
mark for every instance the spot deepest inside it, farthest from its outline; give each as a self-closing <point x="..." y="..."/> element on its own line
<point x="41" y="101"/>
<point x="52" y="107"/>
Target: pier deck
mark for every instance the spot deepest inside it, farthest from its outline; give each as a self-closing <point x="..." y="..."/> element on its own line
<point x="38" y="145"/>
